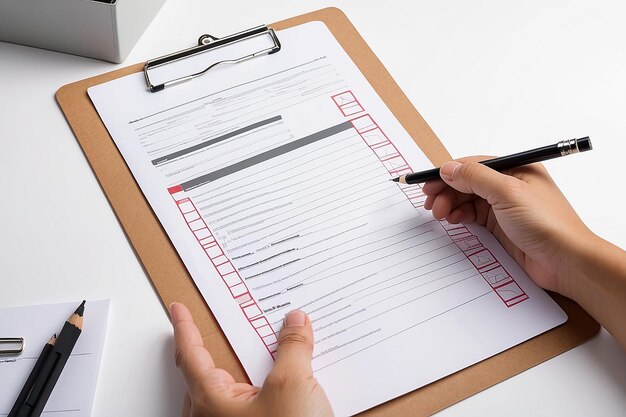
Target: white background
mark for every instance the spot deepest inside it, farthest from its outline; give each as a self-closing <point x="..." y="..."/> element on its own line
<point x="489" y="77"/>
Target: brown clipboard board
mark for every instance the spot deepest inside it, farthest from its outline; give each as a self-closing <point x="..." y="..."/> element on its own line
<point x="172" y="282"/>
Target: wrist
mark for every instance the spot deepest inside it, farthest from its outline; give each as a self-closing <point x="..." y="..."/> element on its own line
<point x="580" y="251"/>
<point x="587" y="262"/>
<point x="596" y="280"/>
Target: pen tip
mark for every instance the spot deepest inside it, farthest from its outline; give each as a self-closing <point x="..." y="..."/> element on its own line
<point x="81" y="309"/>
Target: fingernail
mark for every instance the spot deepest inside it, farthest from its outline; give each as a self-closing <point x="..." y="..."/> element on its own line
<point x="295" y="318"/>
<point x="173" y="311"/>
<point x="447" y="170"/>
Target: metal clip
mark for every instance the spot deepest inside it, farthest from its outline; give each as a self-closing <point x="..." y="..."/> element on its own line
<point x="16" y="346"/>
<point x="208" y="42"/>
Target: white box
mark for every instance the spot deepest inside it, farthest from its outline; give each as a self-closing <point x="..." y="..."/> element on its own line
<point x="101" y="29"/>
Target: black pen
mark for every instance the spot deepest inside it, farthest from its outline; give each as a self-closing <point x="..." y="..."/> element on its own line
<point x="28" y="386"/>
<point x="562" y="148"/>
<point x="52" y="366"/>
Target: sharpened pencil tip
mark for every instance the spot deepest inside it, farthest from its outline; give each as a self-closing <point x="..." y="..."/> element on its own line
<point x="81" y="309"/>
<point x="395" y="179"/>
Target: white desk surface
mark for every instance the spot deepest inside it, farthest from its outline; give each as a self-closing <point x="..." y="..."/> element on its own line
<point x="488" y="76"/>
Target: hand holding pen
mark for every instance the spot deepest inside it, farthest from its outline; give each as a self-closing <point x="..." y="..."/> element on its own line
<point x="536" y="225"/>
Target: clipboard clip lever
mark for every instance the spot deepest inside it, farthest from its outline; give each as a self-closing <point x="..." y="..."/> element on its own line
<point x="208" y="42"/>
<point x="11" y="346"/>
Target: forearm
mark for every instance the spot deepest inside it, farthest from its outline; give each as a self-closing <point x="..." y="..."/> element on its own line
<point x="596" y="275"/>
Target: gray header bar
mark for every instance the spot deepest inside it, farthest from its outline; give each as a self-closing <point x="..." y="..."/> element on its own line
<point x="264" y="156"/>
<point x="228" y="135"/>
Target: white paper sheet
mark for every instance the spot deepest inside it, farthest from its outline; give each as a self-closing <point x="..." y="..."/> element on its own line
<point x="74" y="392"/>
<point x="271" y="178"/>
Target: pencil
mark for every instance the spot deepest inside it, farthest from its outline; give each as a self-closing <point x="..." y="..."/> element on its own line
<point x="30" y="381"/>
<point x="53" y="365"/>
<point x="562" y="148"/>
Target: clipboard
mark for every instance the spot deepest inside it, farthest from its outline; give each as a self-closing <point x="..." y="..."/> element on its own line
<point x="172" y="282"/>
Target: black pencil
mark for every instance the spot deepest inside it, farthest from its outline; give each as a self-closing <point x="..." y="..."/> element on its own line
<point x="53" y="366"/>
<point x="30" y="381"/>
<point x="562" y="148"/>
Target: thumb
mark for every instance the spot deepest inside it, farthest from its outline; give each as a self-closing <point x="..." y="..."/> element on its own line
<point x="476" y="178"/>
<point x="295" y="345"/>
<point x="196" y="362"/>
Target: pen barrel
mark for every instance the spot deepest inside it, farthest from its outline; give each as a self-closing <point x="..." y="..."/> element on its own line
<point x="523" y="158"/>
<point x="499" y="164"/>
<point x="30" y="381"/>
<point x="562" y="148"/>
<point x="49" y="376"/>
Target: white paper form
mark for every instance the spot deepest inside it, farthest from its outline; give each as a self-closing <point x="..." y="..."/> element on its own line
<point x="74" y="392"/>
<point x="272" y="180"/>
